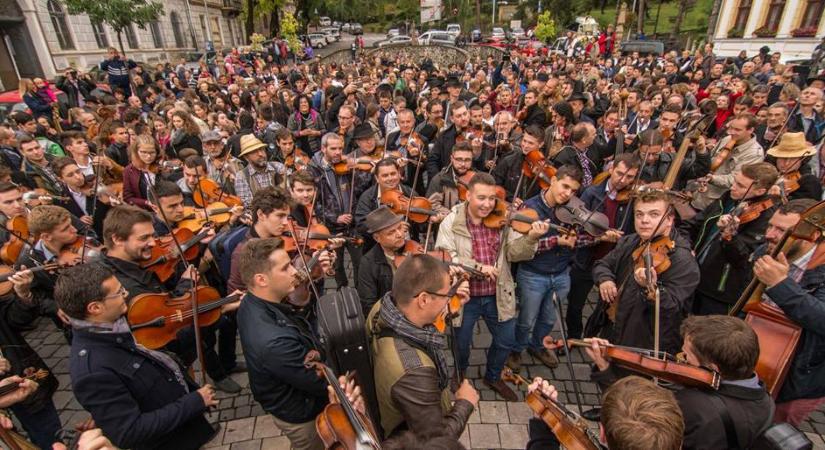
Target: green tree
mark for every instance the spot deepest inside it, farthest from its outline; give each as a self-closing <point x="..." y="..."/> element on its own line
<point x="546" y="27"/>
<point x="118" y="14"/>
<point x="289" y="31"/>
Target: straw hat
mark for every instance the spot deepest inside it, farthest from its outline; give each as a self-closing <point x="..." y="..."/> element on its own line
<point x="249" y="143"/>
<point x="792" y="145"/>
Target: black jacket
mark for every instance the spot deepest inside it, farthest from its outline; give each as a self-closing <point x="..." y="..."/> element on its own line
<point x="374" y="277"/>
<point x="119" y="153"/>
<point x="275" y="342"/>
<point x="695" y="165"/>
<point x="634" y="317"/>
<point x="725" y="265"/>
<point x="567" y="157"/>
<point x="507" y="174"/>
<point x="804" y="303"/>
<point x="439" y="155"/>
<point x="82" y="89"/>
<point x="536" y="115"/>
<point x="136" y="400"/>
<point x="182" y="141"/>
<point x="749" y="408"/>
<point x="367" y="203"/>
<point x="594" y="200"/>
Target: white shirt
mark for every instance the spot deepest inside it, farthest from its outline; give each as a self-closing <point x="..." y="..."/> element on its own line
<point x="80" y="199"/>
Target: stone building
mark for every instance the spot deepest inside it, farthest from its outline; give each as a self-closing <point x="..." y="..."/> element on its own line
<point x="792" y="27"/>
<point x="40" y="38"/>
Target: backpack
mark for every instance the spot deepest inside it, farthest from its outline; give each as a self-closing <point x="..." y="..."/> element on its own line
<point x="223" y="245"/>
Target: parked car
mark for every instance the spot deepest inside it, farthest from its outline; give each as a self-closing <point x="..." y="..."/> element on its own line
<point x="332" y="34"/>
<point x="356" y="28"/>
<point x="392" y="32"/>
<point x="346" y="27"/>
<point x="434" y="37"/>
<point x="454" y="29"/>
<point x="317" y="40"/>
<point x="498" y="34"/>
<point x="336" y="24"/>
<point x="324" y="21"/>
<point x="517" y="32"/>
<point x="643" y="47"/>
<point x="394" y="40"/>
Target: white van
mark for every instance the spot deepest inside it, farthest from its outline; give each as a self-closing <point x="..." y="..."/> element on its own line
<point x="325" y="21"/>
<point x="434" y="37"/>
<point x="454" y="29"/>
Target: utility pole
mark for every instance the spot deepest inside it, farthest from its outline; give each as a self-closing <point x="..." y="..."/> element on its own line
<point x="191" y="27"/>
<point x="208" y="37"/>
<point x="494" y="13"/>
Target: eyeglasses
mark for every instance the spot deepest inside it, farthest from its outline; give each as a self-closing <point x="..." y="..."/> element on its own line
<point x="453" y="290"/>
<point x="122" y="292"/>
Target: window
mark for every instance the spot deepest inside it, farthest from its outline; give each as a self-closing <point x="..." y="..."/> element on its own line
<point x="100" y="35"/>
<point x="61" y="27"/>
<point x="813" y="12"/>
<point x="131" y="37"/>
<point x="203" y="30"/>
<point x="157" y="36"/>
<point x="774" y="14"/>
<point x="742" y="14"/>
<point x="180" y="42"/>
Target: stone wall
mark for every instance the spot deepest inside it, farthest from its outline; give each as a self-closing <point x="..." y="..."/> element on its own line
<point x="441" y="55"/>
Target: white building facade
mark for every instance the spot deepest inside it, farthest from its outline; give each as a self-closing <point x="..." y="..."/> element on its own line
<point x="42" y="39"/>
<point x="792" y="27"/>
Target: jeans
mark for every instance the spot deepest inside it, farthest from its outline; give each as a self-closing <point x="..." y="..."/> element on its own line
<point x="537" y="312"/>
<point x="354" y="255"/>
<point x="42" y="426"/>
<point x="503" y="335"/>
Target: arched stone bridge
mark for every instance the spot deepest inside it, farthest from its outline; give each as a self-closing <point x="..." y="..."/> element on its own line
<point x="441" y="55"/>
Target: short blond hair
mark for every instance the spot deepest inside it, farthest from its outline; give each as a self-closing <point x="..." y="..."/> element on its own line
<point x="44" y="218"/>
<point x="638" y="415"/>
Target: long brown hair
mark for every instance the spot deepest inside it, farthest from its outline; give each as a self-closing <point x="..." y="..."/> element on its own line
<point x="144" y="140"/>
<point x="189" y="125"/>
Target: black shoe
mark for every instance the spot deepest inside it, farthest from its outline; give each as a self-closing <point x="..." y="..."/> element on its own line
<point x="239" y="367"/>
<point x="514" y="362"/>
<point x="593" y="415"/>
<point x="228" y="385"/>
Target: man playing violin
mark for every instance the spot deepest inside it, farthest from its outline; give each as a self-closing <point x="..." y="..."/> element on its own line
<point x="728" y="347"/>
<point x="446" y="181"/>
<point x="791" y="156"/>
<point x="11" y="205"/>
<point x="623" y="279"/>
<point x="415" y="145"/>
<point x="167" y="202"/>
<point x="140" y="398"/>
<point x="375" y="274"/>
<point x="365" y="151"/>
<point x="446" y="139"/>
<point x="76" y="145"/>
<point x="635" y="414"/>
<point x="508" y="170"/>
<point x="581" y="152"/>
<point x="726" y="233"/>
<point x="221" y="166"/>
<point x="88" y="207"/>
<point x="195" y="170"/>
<point x="603" y="198"/>
<point x="303" y="192"/>
<point x="412" y="375"/>
<point x="470" y="242"/>
<point x="547" y="274"/>
<point x="795" y="282"/>
<point x="278" y="342"/>
<point x="129" y="237"/>
<point x="657" y="161"/>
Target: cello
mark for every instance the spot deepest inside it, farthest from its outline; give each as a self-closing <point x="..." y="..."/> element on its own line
<point x="778" y="335"/>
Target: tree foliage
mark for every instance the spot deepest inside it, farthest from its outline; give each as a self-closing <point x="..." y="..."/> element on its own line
<point x="289" y="31"/>
<point x="118" y="14"/>
<point x="546" y="27"/>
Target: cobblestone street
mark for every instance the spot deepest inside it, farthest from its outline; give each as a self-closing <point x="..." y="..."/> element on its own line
<point x="495" y="424"/>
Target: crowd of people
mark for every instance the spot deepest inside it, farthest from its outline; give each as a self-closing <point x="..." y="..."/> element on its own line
<point x="683" y="190"/>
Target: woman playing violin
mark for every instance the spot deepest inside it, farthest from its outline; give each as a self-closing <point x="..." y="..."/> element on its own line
<point x="141" y="172"/>
<point x="721" y="344"/>
<point x="624" y="286"/>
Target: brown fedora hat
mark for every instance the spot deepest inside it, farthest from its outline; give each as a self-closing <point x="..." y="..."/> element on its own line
<point x="381" y="218"/>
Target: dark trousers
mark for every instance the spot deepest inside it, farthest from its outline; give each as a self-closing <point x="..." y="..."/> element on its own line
<point x="184" y="346"/>
<point x="704" y="305"/>
<point x="227" y="334"/>
<point x="355" y="255"/>
<point x="581" y="282"/>
<point x="42" y="426"/>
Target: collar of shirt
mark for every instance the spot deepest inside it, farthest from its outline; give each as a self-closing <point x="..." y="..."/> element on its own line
<point x="41" y="246"/>
<point x="79" y="198"/>
<point x="799" y="265"/>
<point x="751" y="383"/>
<point x="607" y="189"/>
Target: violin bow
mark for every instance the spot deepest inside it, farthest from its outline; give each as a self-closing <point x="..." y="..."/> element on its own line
<point x="98" y="175"/>
<point x="510" y="209"/>
<point x="305" y="267"/>
<point x="784" y="125"/>
<point x="194" y="301"/>
<point x="563" y="328"/>
<point x="302" y="248"/>
<point x="200" y="191"/>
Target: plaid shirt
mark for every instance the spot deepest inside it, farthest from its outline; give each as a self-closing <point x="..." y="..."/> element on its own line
<point x="247" y="184"/>
<point x="486" y="242"/>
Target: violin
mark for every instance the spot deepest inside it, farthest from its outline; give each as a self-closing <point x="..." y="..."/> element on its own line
<point x="747" y="212"/>
<point x="18" y="227"/>
<point x="79" y="251"/>
<point x="722" y="156"/>
<point x="657" y="250"/>
<point x="417" y="209"/>
<point x="194" y="219"/>
<point x="535" y="166"/>
<point x="574" y="213"/>
<point x="791" y="181"/>
<point x="569" y="427"/>
<point x="363" y="164"/>
<point x="12" y="439"/>
<point x="453" y="308"/>
<point x="412" y="247"/>
<point x="664" y="366"/>
<point x="521" y="220"/>
<point x="156" y="318"/>
<point x="315" y="238"/>
<point x="340" y="425"/>
<point x="165" y="252"/>
<point x="297" y="160"/>
<point x="7" y="272"/>
<point x="208" y="191"/>
<point x="463" y="183"/>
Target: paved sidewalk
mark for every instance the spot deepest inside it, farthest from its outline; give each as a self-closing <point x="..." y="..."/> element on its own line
<point x="245" y="426"/>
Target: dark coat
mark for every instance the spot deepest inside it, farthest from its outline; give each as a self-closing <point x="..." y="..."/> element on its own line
<point x="593" y="198"/>
<point x="750" y="409"/>
<point x="695" y="167"/>
<point x="119" y="153"/>
<point x="374" y="277"/>
<point x="83" y="89"/>
<point x="439" y="155"/>
<point x="367" y="203"/>
<point x="182" y="141"/>
<point x="275" y="343"/>
<point x="132" y="193"/>
<point x="725" y="265"/>
<point x="133" y="398"/>
<point x="92" y="204"/>
<point x="536" y="115"/>
<point x="38" y="106"/>
<point x="814" y="133"/>
<point x="507" y="173"/>
<point x="804" y="303"/>
<point x="634" y="317"/>
<point x="334" y="195"/>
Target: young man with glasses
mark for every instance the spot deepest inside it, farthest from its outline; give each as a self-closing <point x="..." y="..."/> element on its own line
<point x="447" y="180"/>
<point x="411" y="369"/>
<point x="139" y="398"/>
<point x="346" y="126"/>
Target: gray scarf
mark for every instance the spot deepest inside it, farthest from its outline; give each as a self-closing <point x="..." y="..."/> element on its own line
<point x="121" y="326"/>
<point x="428" y="338"/>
